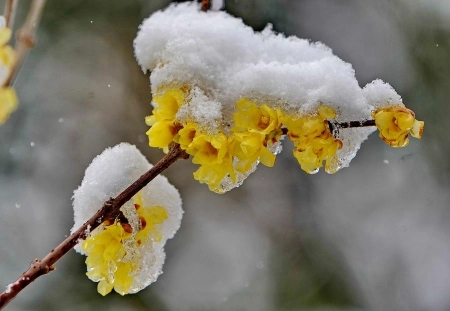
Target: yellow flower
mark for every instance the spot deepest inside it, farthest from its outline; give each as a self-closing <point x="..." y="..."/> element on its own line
<point x="113" y="249"/>
<point x="8" y="103"/>
<point x="186" y="135"/>
<point x="105" y="250"/>
<point x="212" y="153"/>
<point x="255" y="128"/>
<point x="396" y="123"/>
<point x="248" y="148"/>
<point x="313" y="140"/>
<point x="161" y="134"/>
<point x="163" y="127"/>
<point x="149" y="217"/>
<point x="212" y="175"/>
<point x="209" y="150"/>
<point x="167" y="105"/>
<point x="251" y="118"/>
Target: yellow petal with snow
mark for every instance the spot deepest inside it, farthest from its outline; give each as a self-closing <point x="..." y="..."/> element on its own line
<point x="326" y="112"/>
<point x="167" y="105"/>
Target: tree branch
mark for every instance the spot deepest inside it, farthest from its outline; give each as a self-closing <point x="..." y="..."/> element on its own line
<point x="109" y="210"/>
<point x="206" y="5"/>
<point x="342" y="125"/>
<point x="26" y="37"/>
<point x="10" y="12"/>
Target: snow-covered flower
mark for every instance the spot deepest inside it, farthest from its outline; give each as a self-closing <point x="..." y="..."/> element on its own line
<point x="126" y="254"/>
<point x="313" y="140"/>
<point x="256" y="129"/>
<point x="227" y="95"/>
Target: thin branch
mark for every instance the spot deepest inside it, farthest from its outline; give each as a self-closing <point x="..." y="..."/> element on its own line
<point x="336" y="126"/>
<point x="206" y="5"/>
<point x="10" y="12"/>
<point x="26" y="38"/>
<point x="110" y="210"/>
<point x="350" y="124"/>
<point x="342" y="125"/>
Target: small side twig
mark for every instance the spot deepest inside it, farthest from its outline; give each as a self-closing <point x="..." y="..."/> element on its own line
<point x="110" y="210"/>
<point x="26" y="38"/>
<point x="206" y="5"/>
<point x="350" y="124"/>
<point x="10" y="12"/>
<point x="342" y="125"/>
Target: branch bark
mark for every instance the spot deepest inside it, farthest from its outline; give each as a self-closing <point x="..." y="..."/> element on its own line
<point x="10" y="12"/>
<point x="26" y="37"/>
<point x="109" y="210"/>
<point x="342" y="125"/>
<point x="206" y="5"/>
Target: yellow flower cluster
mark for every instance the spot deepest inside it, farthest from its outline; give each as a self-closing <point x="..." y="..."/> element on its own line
<point x="8" y="98"/>
<point x="395" y="123"/>
<point x="113" y="250"/>
<point x="313" y="140"/>
<point x="256" y="129"/>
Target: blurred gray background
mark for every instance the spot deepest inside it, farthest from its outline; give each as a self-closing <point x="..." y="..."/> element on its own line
<point x="375" y="236"/>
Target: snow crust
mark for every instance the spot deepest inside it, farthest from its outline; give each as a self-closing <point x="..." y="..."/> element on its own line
<point x="225" y="60"/>
<point x="380" y="94"/>
<point x="109" y="174"/>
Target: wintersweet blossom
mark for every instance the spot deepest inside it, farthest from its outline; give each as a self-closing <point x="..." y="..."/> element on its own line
<point x="213" y="154"/>
<point x="249" y="117"/>
<point x="127" y="253"/>
<point x="162" y="122"/>
<point x="313" y="140"/>
<point x="249" y="148"/>
<point x="105" y="250"/>
<point x="186" y="135"/>
<point x="395" y="123"/>
<point x="113" y="250"/>
<point x="255" y="129"/>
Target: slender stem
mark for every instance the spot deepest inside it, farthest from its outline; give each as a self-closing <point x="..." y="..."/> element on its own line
<point x="10" y="12"/>
<point x="350" y="124"/>
<point x="26" y="37"/>
<point x="342" y="125"/>
<point x="109" y="210"/>
<point x="206" y="5"/>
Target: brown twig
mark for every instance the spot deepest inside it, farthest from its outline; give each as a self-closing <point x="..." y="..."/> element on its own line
<point x="109" y="210"/>
<point x="26" y="37"/>
<point x="10" y="12"/>
<point x="206" y="5"/>
<point x="350" y="124"/>
<point x="342" y="125"/>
